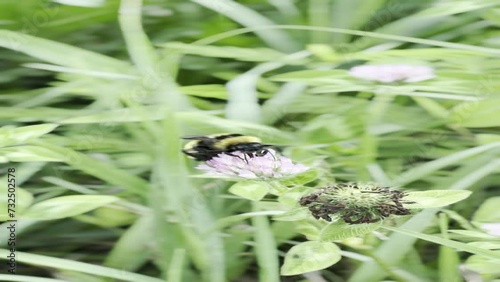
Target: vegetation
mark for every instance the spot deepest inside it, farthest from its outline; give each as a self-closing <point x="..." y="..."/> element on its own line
<point x="97" y="94"/>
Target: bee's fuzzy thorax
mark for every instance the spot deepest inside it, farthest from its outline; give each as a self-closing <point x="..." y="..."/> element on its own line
<point x="224" y="143"/>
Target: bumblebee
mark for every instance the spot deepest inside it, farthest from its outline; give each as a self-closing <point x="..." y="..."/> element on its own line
<point x="204" y="148"/>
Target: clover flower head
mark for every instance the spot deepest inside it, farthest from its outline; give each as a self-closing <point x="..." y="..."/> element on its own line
<point x="254" y="166"/>
<point x="355" y="203"/>
<point x="492" y="228"/>
<point x="393" y="73"/>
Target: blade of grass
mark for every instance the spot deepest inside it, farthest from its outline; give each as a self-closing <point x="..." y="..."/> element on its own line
<point x="448" y="258"/>
<point x="352" y="14"/>
<point x="172" y="188"/>
<point x="176" y="267"/>
<point x="24" y="278"/>
<point x="155" y="70"/>
<point x="445" y="242"/>
<point x="99" y="169"/>
<point x="274" y="108"/>
<point x="131" y="251"/>
<point x="265" y="249"/>
<point x="460" y="46"/>
<point x="243" y="99"/>
<point x="319" y="15"/>
<point x="66" y="264"/>
<point x="61" y="54"/>
<point x="416" y="25"/>
<point x="100" y="74"/>
<point x="206" y="120"/>
<point x="138" y="45"/>
<point x="250" y="18"/>
<point x="432" y="166"/>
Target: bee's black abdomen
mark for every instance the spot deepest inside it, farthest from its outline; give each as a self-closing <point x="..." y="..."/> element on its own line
<point x="196" y="155"/>
<point x="246" y="147"/>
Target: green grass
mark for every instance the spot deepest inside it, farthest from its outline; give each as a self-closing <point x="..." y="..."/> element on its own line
<point x="95" y="100"/>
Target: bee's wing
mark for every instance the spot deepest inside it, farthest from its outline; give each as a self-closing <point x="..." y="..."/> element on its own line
<point x="218" y="136"/>
<point x="201" y="137"/>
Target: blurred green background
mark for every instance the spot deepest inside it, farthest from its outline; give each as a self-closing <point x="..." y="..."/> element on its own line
<point x="96" y="94"/>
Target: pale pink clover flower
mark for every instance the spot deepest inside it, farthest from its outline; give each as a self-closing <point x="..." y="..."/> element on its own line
<point x="393" y="73"/>
<point x="257" y="167"/>
<point x="492" y="228"/>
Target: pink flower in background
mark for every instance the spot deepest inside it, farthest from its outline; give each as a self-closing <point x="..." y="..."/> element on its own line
<point x="393" y="73"/>
<point x="268" y="166"/>
<point x="492" y="228"/>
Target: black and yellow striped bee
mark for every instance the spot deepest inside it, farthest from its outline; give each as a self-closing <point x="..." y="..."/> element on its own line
<point x="204" y="148"/>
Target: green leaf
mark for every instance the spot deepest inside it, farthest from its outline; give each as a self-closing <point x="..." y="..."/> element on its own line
<point x="108" y="217"/>
<point x="486" y="245"/>
<point x="216" y="91"/>
<point x="17" y="135"/>
<point x="309" y="228"/>
<point x="472" y="235"/>
<point x="50" y="51"/>
<point x="103" y="170"/>
<point x="22" y="201"/>
<point x="294" y="215"/>
<point x="30" y="154"/>
<point x="250" y="190"/>
<point x="310" y="256"/>
<point x="492" y="16"/>
<point x="482" y="113"/>
<point x="319" y="77"/>
<point x="71" y="265"/>
<point x="67" y="206"/>
<point x="210" y="122"/>
<point x="302" y="178"/>
<point x="341" y="230"/>
<point x="483" y="265"/>
<point x="266" y="250"/>
<point x="456" y="7"/>
<point x="238" y="53"/>
<point x="445" y="242"/>
<point x="435" y="198"/>
<point x="48" y="114"/>
<point x="135" y="114"/>
<point x="487" y="138"/>
<point x="290" y="198"/>
<point x="284" y="231"/>
<point x="488" y="211"/>
<point x="421" y="171"/>
<point x="17" y="277"/>
<point x="131" y="251"/>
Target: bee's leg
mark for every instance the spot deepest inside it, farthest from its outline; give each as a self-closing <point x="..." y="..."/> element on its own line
<point x="233" y="155"/>
<point x="274" y="156"/>
<point x="261" y="153"/>
<point x="245" y="157"/>
<point x="264" y="152"/>
<point x="248" y="155"/>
